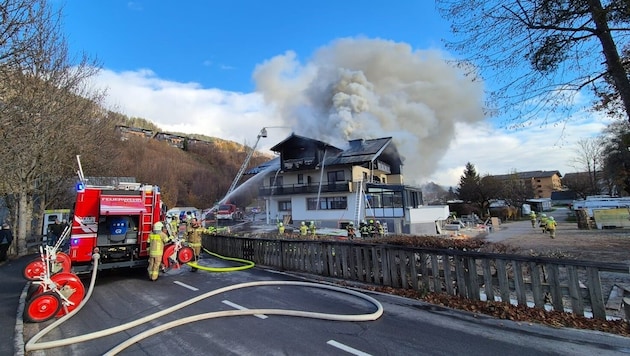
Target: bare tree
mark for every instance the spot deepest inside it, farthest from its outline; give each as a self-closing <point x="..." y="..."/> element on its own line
<point x="541" y="53"/>
<point x="48" y="114"/>
<point x="589" y="161"/>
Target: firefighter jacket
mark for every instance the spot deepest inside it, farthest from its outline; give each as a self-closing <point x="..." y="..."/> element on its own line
<point x="194" y="236"/>
<point x="551" y="224"/>
<point x="156" y="244"/>
<point x="380" y="229"/>
<point x="303" y="229"/>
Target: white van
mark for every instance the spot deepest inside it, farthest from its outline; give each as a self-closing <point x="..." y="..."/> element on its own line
<point x="181" y="211"/>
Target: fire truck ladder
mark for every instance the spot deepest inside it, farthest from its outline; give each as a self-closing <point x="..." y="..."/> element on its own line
<point x="147" y="218"/>
<point x="360" y="197"/>
<point x="358" y="202"/>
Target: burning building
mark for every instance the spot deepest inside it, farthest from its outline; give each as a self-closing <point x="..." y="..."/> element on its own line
<point x="315" y="181"/>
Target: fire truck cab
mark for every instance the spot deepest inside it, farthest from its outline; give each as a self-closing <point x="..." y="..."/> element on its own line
<point x="115" y="221"/>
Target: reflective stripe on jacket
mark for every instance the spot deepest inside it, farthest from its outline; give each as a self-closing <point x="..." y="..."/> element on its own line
<point x="156" y="245"/>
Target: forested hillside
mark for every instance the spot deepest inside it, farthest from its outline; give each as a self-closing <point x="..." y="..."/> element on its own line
<point x="197" y="176"/>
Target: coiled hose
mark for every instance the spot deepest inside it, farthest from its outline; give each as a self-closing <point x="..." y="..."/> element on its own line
<point x="246" y="264"/>
<point x="32" y="344"/>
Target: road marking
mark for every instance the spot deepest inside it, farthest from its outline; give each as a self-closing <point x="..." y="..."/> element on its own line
<point x="186" y="286"/>
<point x="239" y="307"/>
<point x="346" y="348"/>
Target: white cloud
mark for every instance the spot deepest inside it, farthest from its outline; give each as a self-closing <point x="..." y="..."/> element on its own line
<point x="502" y="151"/>
<point x="189" y="108"/>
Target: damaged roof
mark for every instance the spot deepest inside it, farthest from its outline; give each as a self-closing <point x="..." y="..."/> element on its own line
<point x="359" y="151"/>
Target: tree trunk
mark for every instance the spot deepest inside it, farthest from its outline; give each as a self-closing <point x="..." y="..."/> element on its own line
<point x="20" y="235"/>
<point x="609" y="48"/>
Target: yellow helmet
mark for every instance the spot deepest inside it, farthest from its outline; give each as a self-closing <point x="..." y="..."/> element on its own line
<point x="157" y="226"/>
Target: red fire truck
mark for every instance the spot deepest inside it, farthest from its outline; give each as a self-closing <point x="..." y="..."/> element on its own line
<point x="113" y="221"/>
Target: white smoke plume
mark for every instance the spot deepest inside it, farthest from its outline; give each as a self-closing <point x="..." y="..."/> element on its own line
<point x="371" y="88"/>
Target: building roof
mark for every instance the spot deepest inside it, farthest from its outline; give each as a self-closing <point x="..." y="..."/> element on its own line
<point x="271" y="165"/>
<point x="529" y="175"/>
<point x="299" y="142"/>
<point x="359" y="151"/>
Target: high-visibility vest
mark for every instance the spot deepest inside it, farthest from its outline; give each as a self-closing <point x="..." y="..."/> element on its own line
<point x="156" y="245"/>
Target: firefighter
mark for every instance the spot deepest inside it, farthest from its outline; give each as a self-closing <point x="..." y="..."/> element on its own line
<point x="363" y="229"/>
<point x="280" y="228"/>
<point x="312" y="229"/>
<point x="551" y="226"/>
<point x="157" y="239"/>
<point x="543" y="223"/>
<point x="211" y="230"/>
<point x="194" y="238"/>
<point x="380" y="230"/>
<point x="371" y="229"/>
<point x="303" y="229"/>
<point x="350" y="229"/>
<point x="532" y="217"/>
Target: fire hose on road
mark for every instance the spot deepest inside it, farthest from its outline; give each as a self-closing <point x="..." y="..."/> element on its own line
<point x="33" y="344"/>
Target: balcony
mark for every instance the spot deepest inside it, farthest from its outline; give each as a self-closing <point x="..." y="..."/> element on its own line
<point x="293" y="189"/>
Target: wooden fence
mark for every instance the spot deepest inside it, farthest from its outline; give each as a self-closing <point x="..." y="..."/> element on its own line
<point x="564" y="285"/>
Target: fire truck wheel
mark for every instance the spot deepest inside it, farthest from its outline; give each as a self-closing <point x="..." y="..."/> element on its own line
<point x="185" y="255"/>
<point x="71" y="287"/>
<point x="34" y="270"/>
<point x="43" y="307"/>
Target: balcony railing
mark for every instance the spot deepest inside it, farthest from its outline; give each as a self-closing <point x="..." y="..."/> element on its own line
<point x="292" y="189"/>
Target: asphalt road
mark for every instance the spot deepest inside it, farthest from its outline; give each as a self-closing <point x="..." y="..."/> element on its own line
<point x="407" y="327"/>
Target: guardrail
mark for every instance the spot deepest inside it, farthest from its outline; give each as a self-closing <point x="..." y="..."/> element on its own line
<point x="564" y="285"/>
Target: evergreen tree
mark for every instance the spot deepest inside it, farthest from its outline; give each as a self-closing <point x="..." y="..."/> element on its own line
<point x="468" y="188"/>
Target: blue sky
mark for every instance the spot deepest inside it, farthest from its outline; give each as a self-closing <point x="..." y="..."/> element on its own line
<point x="229" y="68"/>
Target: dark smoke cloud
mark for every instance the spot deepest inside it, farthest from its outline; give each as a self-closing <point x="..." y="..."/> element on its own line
<point x="370" y="88"/>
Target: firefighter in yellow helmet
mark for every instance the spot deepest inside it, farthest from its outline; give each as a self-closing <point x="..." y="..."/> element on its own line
<point x="312" y="228"/>
<point x="551" y="226"/>
<point x="303" y="229"/>
<point x="280" y="228"/>
<point x="194" y="238"/>
<point x="157" y="239"/>
<point x="533" y="218"/>
<point x="543" y="223"/>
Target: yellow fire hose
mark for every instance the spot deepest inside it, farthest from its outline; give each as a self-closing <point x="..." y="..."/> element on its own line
<point x="32" y="344"/>
<point x="246" y="264"/>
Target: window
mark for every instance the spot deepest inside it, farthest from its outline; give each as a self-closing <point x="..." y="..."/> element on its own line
<point x="275" y="181"/>
<point x="336" y="176"/>
<point x="284" y="205"/>
<point x="300" y="178"/>
<point x="327" y="203"/>
<point x="384" y="198"/>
